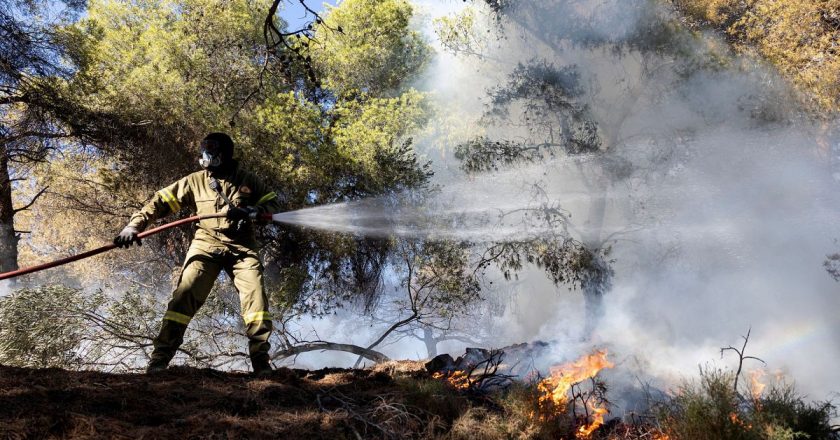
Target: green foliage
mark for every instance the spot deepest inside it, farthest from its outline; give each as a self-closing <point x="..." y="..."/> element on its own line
<point x="211" y="80"/>
<point x="201" y="78"/>
<point x="468" y="32"/>
<point x="150" y="78"/>
<point x="548" y="96"/>
<point x="441" y="283"/>
<point x="782" y="410"/>
<point x="367" y="128"/>
<point x="28" y="53"/>
<point x="191" y="50"/>
<point x="42" y="327"/>
<point x="153" y="77"/>
<point x="374" y="52"/>
<point x="710" y="408"/>
<point x="482" y="154"/>
<point x="365" y="150"/>
<point x="457" y="33"/>
<point x="65" y="327"/>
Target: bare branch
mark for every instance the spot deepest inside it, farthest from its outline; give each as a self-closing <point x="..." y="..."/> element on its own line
<point x="331" y="346"/>
<point x="31" y="202"/>
<point x="741" y="357"/>
<point x="34" y="134"/>
<point x="393" y="327"/>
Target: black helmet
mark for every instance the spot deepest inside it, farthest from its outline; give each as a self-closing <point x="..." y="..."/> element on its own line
<point x="216" y="151"/>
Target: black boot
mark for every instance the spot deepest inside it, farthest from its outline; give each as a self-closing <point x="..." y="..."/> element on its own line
<point x="166" y="344"/>
<point x="261" y="366"/>
<point x="157" y="365"/>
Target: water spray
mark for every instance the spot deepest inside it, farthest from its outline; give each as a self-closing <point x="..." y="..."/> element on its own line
<point x="367" y="217"/>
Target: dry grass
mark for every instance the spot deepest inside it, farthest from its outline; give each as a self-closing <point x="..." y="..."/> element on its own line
<point x="393" y="400"/>
<point x="400" y="367"/>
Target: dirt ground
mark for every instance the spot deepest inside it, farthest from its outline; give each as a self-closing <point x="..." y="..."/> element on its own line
<point x="188" y="403"/>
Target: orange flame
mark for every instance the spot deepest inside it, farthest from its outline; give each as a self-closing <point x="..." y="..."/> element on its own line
<point x="733" y="417"/>
<point x="756" y="384"/>
<point x="457" y="379"/>
<point x="553" y="390"/>
<point x="597" y="420"/>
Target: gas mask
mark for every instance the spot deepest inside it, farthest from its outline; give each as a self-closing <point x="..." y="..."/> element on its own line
<point x="210" y="157"/>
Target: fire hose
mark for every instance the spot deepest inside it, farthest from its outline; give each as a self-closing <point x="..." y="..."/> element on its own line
<point x="97" y="251"/>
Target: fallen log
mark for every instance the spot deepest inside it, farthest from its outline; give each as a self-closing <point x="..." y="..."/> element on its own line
<point x="367" y="353"/>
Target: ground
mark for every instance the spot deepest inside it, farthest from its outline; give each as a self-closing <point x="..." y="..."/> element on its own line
<point x="393" y="400"/>
<point x="202" y="403"/>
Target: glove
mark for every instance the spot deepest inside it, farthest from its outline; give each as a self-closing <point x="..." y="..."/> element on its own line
<point x="236" y="214"/>
<point x="127" y="236"/>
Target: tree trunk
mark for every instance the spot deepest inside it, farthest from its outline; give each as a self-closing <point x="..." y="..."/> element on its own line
<point x="8" y="238"/>
<point x="596" y="282"/>
<point x="597" y="276"/>
<point x="430" y="341"/>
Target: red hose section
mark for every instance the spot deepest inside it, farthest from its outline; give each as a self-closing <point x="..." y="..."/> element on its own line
<point x="90" y="253"/>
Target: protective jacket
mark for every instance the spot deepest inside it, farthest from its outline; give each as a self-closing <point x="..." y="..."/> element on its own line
<point x="195" y="192"/>
<point x="219" y="244"/>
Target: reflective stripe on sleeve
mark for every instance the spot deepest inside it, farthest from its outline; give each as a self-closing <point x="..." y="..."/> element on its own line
<point x="177" y="317"/>
<point x="256" y="316"/>
<point x="170" y="199"/>
<point x="267" y="198"/>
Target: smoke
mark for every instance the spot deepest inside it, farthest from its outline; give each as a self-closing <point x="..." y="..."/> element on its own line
<point x="5" y="288"/>
<point x="722" y="224"/>
<point x="715" y="195"/>
<point x="712" y="189"/>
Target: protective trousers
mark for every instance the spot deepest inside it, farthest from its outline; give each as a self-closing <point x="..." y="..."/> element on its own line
<point x="201" y="268"/>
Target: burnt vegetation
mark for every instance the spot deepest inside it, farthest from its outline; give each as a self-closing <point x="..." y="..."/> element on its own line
<point x="397" y="399"/>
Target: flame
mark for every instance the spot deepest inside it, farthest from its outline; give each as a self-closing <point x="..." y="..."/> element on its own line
<point x="457" y="379"/>
<point x="597" y="420"/>
<point x="756" y="384"/>
<point x="553" y="390"/>
<point x="733" y="417"/>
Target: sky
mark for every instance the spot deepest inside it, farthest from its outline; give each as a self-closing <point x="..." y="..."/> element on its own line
<point x="297" y="16"/>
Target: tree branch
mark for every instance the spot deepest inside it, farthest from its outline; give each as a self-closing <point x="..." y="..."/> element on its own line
<point x="31" y="202"/>
<point x="13" y="99"/>
<point x="332" y="346"/>
<point x="741" y="357"/>
<point x="393" y="327"/>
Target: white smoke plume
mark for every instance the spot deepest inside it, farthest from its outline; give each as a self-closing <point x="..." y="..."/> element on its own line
<point x="721" y="223"/>
<point x="720" y="231"/>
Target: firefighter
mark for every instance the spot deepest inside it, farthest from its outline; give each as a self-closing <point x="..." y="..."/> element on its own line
<point x="220" y="243"/>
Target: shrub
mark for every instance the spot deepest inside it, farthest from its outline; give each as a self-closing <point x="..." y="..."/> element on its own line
<point x="711" y="409"/>
<point x="42" y="327"/>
